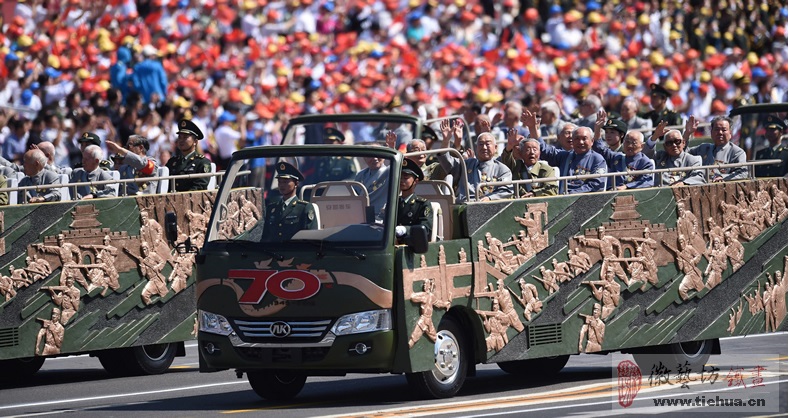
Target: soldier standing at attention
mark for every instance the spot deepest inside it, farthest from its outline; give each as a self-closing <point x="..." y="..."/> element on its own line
<point x="288" y="215"/>
<point x="188" y="161"/>
<point x="658" y="98"/>
<point x="338" y="167"/>
<point x="777" y="150"/>
<point x="412" y="209"/>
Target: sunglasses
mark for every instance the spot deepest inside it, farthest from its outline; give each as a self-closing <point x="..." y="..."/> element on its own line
<point x="679" y="142"/>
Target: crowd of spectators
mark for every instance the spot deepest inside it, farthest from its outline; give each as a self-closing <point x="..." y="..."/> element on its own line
<point x="241" y="68"/>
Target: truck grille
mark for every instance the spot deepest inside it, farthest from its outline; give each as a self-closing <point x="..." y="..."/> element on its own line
<point x="261" y="331"/>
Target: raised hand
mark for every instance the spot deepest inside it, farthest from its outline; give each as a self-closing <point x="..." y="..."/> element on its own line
<point x="457" y="133"/>
<point x="446" y="132"/>
<point x="391" y="139"/>
<point x="496" y="119"/>
<point x="483" y="125"/>
<point x="529" y="119"/>
<point x="512" y="139"/>
<point x="690" y="128"/>
<point x="660" y="129"/>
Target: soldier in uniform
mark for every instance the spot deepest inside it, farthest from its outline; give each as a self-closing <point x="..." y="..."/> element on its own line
<point x="773" y="129"/>
<point x="189" y="161"/>
<point x="412" y="209"/>
<point x="288" y="215"/>
<point x="338" y="167"/>
<point x="134" y="163"/>
<point x="87" y="139"/>
<point x="659" y="96"/>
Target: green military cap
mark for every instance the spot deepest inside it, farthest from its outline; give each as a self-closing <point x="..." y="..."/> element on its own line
<point x="288" y="171"/>
<point x="412" y="168"/>
<point x="333" y="135"/>
<point x="774" y="122"/>
<point x="429" y="133"/>
<point x="90" y="137"/>
<point x="617" y="125"/>
<point x="658" y="89"/>
<point x="188" y="127"/>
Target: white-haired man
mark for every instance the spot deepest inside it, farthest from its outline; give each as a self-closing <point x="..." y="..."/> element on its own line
<point x="90" y="172"/>
<point x="34" y="162"/>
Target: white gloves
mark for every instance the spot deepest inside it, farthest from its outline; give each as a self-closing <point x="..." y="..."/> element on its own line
<point x="400" y="231"/>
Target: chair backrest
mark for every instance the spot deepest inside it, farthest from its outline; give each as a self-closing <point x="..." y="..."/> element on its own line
<point x="441" y="193"/>
<point x="654" y="167"/>
<point x="437" y="234"/>
<point x="212" y="180"/>
<point x="317" y="214"/>
<point x="67" y="170"/>
<point x="65" y="193"/>
<point x="116" y="175"/>
<point x="13" y="197"/>
<point x="162" y="186"/>
<point x="340" y="203"/>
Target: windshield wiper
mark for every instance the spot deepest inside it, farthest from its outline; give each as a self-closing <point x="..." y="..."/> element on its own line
<point x="322" y="244"/>
<point x="256" y="246"/>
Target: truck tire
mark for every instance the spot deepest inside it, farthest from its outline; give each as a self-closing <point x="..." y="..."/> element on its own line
<point x="138" y="361"/>
<point x="277" y="385"/>
<point x="543" y="367"/>
<point x="21" y="367"/>
<point x="450" y="358"/>
<point x="691" y="355"/>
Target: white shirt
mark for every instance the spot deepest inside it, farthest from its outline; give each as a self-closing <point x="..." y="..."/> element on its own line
<point x="226" y="140"/>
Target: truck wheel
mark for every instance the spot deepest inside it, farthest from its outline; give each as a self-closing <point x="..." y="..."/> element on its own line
<point x="277" y="385"/>
<point x="691" y="355"/>
<point x="21" y="367"/>
<point x="543" y="367"/>
<point x="141" y="360"/>
<point x="448" y="374"/>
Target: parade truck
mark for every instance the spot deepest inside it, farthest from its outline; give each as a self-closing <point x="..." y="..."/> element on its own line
<point x="97" y="277"/>
<point x="522" y="282"/>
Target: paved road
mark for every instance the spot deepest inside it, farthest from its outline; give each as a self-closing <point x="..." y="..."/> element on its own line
<point x="78" y="386"/>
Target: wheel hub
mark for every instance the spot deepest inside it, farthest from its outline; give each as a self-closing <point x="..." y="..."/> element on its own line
<point x="447" y="357"/>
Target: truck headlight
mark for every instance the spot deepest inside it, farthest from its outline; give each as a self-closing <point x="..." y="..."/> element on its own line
<point x="213" y="323"/>
<point x="361" y="322"/>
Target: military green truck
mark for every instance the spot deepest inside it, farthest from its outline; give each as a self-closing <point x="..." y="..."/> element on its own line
<point x="523" y="283"/>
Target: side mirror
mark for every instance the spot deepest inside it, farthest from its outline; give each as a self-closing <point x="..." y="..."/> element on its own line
<point x="417" y="239"/>
<point x="171" y="227"/>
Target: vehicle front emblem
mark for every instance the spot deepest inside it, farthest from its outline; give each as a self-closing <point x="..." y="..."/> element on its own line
<point x="280" y="329"/>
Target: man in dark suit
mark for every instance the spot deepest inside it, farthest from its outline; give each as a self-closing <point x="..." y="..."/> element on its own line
<point x="412" y="209"/>
<point x="288" y="215"/>
<point x="773" y="129"/>
<point x="188" y="160"/>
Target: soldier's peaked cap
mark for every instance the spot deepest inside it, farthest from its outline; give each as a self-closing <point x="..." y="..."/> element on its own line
<point x="411" y="167"/>
<point x="188" y="127"/>
<point x="288" y="171"/>
<point x="657" y="88"/>
<point x="773" y="122"/>
<point x="617" y="125"/>
<point x="429" y="132"/>
<point x="333" y="134"/>
<point x="91" y="138"/>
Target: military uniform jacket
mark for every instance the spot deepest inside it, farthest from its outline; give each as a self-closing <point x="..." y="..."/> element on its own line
<point x="478" y="172"/>
<point x="572" y="164"/>
<point x="664" y="161"/>
<point x="414" y="210"/>
<point x="79" y="175"/>
<point x="538" y="171"/>
<point x="191" y="164"/>
<point x="135" y="166"/>
<point x="42" y="178"/>
<point x="335" y="168"/>
<point x="673" y="118"/>
<point x="779" y="152"/>
<point x="635" y="163"/>
<point x="727" y="154"/>
<point x="285" y="220"/>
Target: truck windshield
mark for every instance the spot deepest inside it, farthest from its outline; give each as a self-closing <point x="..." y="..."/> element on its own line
<point x="285" y="196"/>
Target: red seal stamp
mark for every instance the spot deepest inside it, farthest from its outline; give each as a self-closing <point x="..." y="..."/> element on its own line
<point x="629" y="382"/>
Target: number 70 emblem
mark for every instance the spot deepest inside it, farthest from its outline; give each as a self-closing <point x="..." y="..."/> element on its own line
<point x="300" y="284"/>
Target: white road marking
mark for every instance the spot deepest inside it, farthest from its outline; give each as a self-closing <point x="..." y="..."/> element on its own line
<point x="121" y="395"/>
